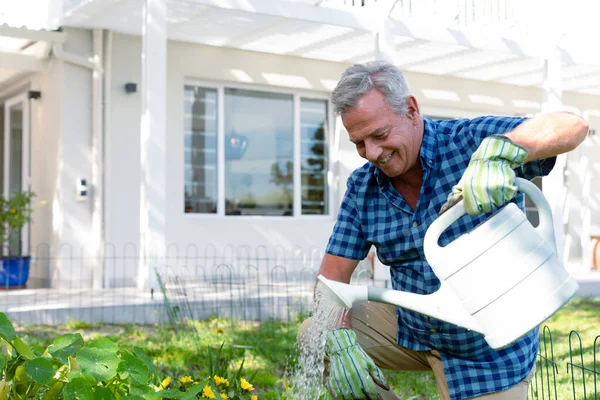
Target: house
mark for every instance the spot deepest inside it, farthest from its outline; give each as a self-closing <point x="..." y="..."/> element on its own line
<point x="149" y="126"/>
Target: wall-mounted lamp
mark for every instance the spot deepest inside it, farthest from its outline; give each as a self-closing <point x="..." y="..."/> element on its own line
<point x="34" y="94"/>
<point x="130" y="87"/>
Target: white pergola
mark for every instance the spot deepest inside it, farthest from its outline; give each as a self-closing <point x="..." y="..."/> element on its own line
<point x="311" y="29"/>
<point x="24" y="51"/>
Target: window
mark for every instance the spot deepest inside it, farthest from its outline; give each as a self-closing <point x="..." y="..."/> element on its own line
<point x="530" y="210"/>
<point x="313" y="143"/>
<point x="265" y="160"/>
<point x="200" y="132"/>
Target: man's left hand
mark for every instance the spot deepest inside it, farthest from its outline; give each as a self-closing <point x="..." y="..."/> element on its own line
<point x="489" y="180"/>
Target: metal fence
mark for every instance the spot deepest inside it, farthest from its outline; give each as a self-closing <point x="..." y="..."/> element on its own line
<point x="236" y="282"/>
<point x="230" y="285"/>
<point x="577" y="378"/>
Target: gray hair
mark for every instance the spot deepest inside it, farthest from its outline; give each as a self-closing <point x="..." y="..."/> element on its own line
<point x="358" y="79"/>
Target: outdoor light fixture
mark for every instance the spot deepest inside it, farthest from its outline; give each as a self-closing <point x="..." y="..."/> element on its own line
<point x="34" y="94"/>
<point x="130" y="87"/>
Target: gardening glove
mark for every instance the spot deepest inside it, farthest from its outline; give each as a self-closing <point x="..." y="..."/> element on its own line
<point x="352" y="373"/>
<point x="489" y="180"/>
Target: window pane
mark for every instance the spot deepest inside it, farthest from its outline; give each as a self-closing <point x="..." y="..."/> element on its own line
<point x="258" y="153"/>
<point x="200" y="144"/>
<point x="314" y="154"/>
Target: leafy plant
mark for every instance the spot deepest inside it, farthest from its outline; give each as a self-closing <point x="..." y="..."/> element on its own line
<point x="70" y="369"/>
<point x="15" y="212"/>
<point x="221" y="382"/>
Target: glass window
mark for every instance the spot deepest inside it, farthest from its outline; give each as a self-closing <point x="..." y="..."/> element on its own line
<point x="259" y="153"/>
<point x="200" y="133"/>
<point x="314" y="156"/>
<point x="530" y="210"/>
<point x="258" y="161"/>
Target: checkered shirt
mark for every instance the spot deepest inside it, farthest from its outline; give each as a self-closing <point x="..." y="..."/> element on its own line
<point x="374" y="213"/>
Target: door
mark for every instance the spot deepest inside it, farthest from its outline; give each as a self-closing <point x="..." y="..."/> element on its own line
<point x="15" y="163"/>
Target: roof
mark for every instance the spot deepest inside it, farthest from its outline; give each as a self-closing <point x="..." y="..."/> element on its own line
<point x="335" y="31"/>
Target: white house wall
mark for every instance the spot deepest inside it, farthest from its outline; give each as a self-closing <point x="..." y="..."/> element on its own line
<point x="190" y="62"/>
<point x="60" y="153"/>
<point x="45" y="163"/>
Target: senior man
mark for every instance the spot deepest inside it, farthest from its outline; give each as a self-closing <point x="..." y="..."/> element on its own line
<point x="418" y="167"/>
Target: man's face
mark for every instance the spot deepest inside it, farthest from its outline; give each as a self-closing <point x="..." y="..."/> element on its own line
<point x="381" y="136"/>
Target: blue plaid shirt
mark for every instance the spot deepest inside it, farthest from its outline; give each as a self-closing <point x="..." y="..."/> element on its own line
<point x="374" y="213"/>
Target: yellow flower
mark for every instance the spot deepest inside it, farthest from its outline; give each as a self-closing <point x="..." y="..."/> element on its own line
<point x="165" y="383"/>
<point x="13" y="211"/>
<point x="207" y="392"/>
<point x="221" y="381"/>
<point x="224" y="395"/>
<point x="253" y="397"/>
<point x="185" y="379"/>
<point x="246" y="385"/>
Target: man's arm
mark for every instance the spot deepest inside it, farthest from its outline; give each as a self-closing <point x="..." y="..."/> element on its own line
<point x="338" y="269"/>
<point x="548" y="135"/>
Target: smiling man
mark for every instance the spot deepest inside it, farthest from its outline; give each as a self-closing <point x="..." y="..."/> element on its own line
<point x="418" y="167"/>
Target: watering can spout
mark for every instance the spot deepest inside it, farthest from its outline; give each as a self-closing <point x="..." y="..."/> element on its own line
<point x="442" y="304"/>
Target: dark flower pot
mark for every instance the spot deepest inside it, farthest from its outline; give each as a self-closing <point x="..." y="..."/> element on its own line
<point x="14" y="271"/>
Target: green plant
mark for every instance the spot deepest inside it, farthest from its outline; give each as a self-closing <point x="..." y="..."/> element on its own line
<point x="70" y="369"/>
<point x="15" y="212"/>
<point x="220" y="382"/>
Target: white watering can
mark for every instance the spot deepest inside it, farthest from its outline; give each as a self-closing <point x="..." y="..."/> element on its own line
<point x="502" y="279"/>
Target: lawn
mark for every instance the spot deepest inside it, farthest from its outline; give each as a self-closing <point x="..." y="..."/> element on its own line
<point x="269" y="350"/>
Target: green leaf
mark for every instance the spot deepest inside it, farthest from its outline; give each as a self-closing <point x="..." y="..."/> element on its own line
<point x="144" y="392"/>
<point x="140" y="353"/>
<point x="135" y="397"/>
<point x="193" y="391"/>
<point x="170" y="393"/>
<point x="102" y="393"/>
<point x="78" y="389"/>
<point x="10" y="374"/>
<point x="7" y="332"/>
<point x="54" y="392"/>
<point x="72" y="375"/>
<point x="23" y="349"/>
<point x="135" y="367"/>
<point x="103" y="344"/>
<point x="65" y="346"/>
<point x="40" y="370"/>
<point x="99" y="362"/>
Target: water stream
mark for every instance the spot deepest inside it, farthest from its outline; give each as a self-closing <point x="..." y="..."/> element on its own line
<point x="307" y="380"/>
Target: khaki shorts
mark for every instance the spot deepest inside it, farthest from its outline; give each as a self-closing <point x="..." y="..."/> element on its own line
<point x="376" y="326"/>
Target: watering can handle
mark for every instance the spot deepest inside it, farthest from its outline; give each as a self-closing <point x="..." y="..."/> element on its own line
<point x="545" y="228"/>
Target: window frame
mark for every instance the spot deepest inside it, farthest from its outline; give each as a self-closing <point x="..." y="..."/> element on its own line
<point x="297" y="94"/>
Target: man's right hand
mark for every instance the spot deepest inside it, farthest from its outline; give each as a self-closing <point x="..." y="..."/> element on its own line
<point x="352" y="373"/>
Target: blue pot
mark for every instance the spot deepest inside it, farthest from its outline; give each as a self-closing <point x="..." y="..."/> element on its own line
<point x="14" y="271"/>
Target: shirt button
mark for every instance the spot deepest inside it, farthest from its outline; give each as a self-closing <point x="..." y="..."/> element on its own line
<point x="433" y="331"/>
<point x="415" y="224"/>
<point x="430" y="161"/>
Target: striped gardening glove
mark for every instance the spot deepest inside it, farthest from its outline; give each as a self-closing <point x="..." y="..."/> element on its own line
<point x="352" y="373"/>
<point x="489" y="180"/>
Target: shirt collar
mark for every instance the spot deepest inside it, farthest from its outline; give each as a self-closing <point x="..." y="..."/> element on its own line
<point x="427" y="152"/>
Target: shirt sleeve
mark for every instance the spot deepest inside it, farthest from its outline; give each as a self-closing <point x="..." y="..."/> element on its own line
<point x="483" y="127"/>
<point x="347" y="239"/>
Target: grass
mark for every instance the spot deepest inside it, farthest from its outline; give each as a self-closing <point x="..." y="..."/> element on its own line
<point x="269" y="350"/>
<point x="573" y="338"/>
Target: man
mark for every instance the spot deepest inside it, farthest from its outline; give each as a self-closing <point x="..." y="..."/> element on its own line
<point x="418" y="168"/>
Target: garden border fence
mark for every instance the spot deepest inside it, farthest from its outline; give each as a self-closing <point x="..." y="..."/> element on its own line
<point x="229" y="286"/>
